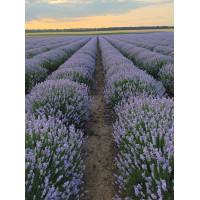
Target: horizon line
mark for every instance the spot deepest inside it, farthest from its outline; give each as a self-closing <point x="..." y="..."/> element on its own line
<point x="128" y="27"/>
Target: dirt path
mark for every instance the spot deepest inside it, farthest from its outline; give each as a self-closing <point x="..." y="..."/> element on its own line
<point x="99" y="146"/>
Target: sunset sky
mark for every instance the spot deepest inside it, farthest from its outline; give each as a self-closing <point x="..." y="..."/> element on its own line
<point x="63" y="14"/>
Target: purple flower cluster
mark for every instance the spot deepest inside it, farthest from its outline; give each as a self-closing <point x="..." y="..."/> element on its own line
<point x="143" y="130"/>
<point x="167" y="77"/>
<point x="149" y="41"/>
<point x="62" y="99"/>
<point x="80" y="67"/>
<point x="144" y="133"/>
<point x="123" y="79"/>
<point x="38" y="50"/>
<point x="36" y="42"/>
<point x="152" y="62"/>
<point x="164" y="50"/>
<point x="31" y="43"/>
<point x="50" y="60"/>
<point x="54" y="109"/>
<point x="33" y="74"/>
<point x="145" y="59"/>
<point x="53" y="163"/>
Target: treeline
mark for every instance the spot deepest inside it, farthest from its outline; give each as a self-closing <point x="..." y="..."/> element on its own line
<point x="98" y="29"/>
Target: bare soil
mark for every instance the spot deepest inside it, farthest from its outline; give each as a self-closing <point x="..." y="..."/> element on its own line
<point x="98" y="148"/>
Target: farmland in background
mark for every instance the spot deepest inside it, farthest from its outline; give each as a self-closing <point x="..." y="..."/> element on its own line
<point x="100" y="116"/>
<point x="52" y="34"/>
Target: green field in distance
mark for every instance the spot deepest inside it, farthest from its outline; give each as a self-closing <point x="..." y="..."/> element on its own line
<point x="52" y="34"/>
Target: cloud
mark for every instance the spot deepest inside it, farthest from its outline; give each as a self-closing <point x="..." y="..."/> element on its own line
<point x="37" y="9"/>
<point x="69" y="1"/>
<point x="157" y="1"/>
<point x="97" y="13"/>
<point x="154" y="15"/>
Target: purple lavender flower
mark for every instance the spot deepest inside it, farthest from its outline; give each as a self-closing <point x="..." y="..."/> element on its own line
<point x="63" y="99"/>
<point x="55" y="168"/>
<point x="123" y="79"/>
<point x="80" y="67"/>
<point x="144" y="134"/>
<point x="57" y="42"/>
<point x="167" y="77"/>
<point x="50" y="60"/>
<point x="145" y="59"/>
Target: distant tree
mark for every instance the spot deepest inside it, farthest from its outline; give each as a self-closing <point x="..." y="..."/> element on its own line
<point x="98" y="29"/>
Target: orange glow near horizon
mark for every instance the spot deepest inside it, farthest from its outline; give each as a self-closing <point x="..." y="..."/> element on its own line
<point x="157" y="15"/>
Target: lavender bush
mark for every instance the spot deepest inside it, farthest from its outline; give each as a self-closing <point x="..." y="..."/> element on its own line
<point x="164" y="50"/>
<point x="152" y="62"/>
<point x="54" y="58"/>
<point x="53" y="163"/>
<point x="141" y="43"/>
<point x="38" y="50"/>
<point x="123" y="79"/>
<point x="167" y="77"/>
<point x="62" y="99"/>
<point x="31" y="43"/>
<point x="131" y="83"/>
<point x="77" y="74"/>
<point x="50" y="60"/>
<point x="153" y="65"/>
<point x="132" y="51"/>
<point x="150" y="40"/>
<point x="33" y="75"/>
<point x="37" y="42"/>
<point x="144" y="134"/>
<point x="80" y="60"/>
<point x="145" y="59"/>
<point x="80" y="67"/>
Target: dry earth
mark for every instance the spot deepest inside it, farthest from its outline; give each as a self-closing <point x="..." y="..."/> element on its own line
<point x="98" y="148"/>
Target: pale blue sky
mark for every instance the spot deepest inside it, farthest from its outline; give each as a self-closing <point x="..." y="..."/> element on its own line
<point x="69" y="11"/>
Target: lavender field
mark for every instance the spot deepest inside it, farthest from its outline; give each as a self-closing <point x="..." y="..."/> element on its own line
<point x="100" y="117"/>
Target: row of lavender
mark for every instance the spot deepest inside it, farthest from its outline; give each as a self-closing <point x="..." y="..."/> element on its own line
<point x="143" y="128"/>
<point x="31" y="43"/>
<point x="55" y="111"/>
<point x="38" y="50"/>
<point x="159" y="66"/>
<point x="38" y="67"/>
<point x="158" y="42"/>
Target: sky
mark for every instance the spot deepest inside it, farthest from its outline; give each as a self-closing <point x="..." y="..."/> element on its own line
<point x="64" y="14"/>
